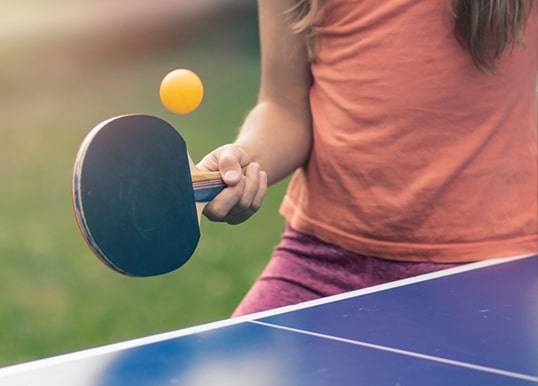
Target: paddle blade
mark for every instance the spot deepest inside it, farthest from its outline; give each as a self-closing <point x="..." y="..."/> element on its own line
<point x="133" y="196"/>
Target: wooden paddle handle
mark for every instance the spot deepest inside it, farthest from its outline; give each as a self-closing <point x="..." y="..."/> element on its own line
<point x="206" y="185"/>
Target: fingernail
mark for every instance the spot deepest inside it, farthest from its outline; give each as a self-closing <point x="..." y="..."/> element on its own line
<point x="231" y="175"/>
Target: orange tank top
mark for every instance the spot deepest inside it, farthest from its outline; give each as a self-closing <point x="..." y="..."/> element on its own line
<point x="416" y="155"/>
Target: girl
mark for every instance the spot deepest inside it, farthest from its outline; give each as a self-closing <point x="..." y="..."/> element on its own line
<point x="410" y="127"/>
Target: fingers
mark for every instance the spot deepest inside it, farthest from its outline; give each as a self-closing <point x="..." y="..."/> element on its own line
<point x="246" y="188"/>
<point x="239" y="202"/>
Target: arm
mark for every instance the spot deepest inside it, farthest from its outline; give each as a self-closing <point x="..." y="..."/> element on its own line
<point x="276" y="136"/>
<point x="277" y="132"/>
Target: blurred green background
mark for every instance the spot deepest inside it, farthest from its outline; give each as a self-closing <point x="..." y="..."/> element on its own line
<point x="64" y="67"/>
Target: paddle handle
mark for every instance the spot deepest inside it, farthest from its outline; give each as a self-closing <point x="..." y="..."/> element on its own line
<point x="206" y="185"/>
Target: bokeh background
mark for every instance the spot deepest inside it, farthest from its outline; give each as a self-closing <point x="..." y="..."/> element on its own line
<point x="66" y="65"/>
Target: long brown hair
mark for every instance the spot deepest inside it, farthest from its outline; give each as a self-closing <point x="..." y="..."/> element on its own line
<point x="484" y="27"/>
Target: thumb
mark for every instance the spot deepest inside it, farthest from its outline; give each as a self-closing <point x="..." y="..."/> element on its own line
<point x="230" y="160"/>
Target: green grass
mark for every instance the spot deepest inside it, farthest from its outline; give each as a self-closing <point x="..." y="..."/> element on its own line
<point x="55" y="296"/>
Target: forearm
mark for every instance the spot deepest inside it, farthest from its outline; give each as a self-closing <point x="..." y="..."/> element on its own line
<point x="278" y="136"/>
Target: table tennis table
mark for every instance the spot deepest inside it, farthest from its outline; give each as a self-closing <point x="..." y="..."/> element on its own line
<point x="475" y="324"/>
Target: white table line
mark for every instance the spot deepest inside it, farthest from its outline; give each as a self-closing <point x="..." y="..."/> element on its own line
<point x="403" y="352"/>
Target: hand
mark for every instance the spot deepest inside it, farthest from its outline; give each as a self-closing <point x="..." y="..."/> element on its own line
<point x="245" y="192"/>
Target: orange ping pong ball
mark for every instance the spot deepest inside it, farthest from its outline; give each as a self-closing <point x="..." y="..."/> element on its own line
<point x="181" y="91"/>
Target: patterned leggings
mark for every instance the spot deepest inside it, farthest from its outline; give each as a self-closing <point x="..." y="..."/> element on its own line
<point x="304" y="268"/>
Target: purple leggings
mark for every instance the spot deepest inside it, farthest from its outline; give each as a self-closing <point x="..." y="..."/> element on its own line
<point x="304" y="268"/>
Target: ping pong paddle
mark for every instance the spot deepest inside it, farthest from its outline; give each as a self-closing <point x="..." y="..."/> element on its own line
<point x="137" y="195"/>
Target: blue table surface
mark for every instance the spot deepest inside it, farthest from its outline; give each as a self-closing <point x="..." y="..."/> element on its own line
<point x="472" y="327"/>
